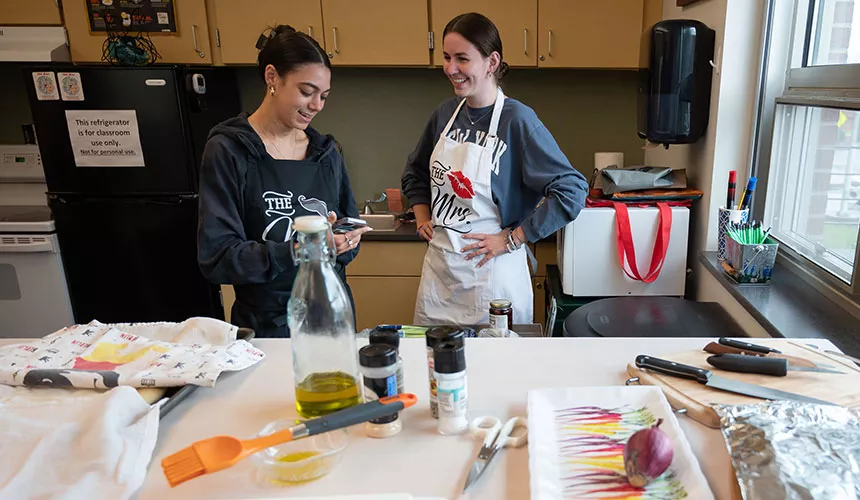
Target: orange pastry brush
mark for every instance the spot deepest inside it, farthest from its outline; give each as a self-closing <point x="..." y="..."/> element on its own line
<point x="220" y="452"/>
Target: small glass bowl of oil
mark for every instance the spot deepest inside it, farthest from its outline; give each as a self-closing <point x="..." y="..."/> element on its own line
<point x="302" y="460"/>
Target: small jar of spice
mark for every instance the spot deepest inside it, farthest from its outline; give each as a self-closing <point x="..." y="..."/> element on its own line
<point x="501" y="314"/>
<point x="378" y="364"/>
<point x="434" y="337"/>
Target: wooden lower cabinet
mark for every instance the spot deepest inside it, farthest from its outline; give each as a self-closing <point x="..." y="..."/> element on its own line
<point x="228" y="296"/>
<point x="388" y="258"/>
<point x="384" y="281"/>
<point x="378" y="299"/>
<point x="383" y="299"/>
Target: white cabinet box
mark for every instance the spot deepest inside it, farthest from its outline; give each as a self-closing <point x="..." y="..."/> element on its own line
<point x="588" y="254"/>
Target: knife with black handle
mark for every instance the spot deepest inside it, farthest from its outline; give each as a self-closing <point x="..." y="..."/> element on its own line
<point x="778" y="367"/>
<point x="793" y="361"/>
<point x="672" y="368"/>
<point x="746" y="346"/>
<point x="743" y="363"/>
<point x="707" y="378"/>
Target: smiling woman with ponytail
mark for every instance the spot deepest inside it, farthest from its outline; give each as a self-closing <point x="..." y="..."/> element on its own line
<point x="476" y="180"/>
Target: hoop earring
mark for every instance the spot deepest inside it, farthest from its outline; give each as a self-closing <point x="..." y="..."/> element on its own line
<point x="271" y="91"/>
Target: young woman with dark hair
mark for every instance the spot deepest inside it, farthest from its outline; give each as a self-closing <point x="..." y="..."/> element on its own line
<point x="476" y="180"/>
<point x="260" y="172"/>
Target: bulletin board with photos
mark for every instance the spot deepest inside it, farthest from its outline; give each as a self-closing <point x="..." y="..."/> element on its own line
<point x="146" y="16"/>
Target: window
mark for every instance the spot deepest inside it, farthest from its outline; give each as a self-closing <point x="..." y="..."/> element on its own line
<point x="833" y="40"/>
<point x="815" y="202"/>
<point x="809" y="136"/>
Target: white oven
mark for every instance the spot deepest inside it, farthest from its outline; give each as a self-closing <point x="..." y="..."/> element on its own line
<point x="34" y="299"/>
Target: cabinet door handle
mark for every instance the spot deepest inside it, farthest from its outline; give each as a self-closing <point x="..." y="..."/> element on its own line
<point x="334" y="35"/>
<point x="196" y="45"/>
<point x="311" y="31"/>
<point x="526" y="41"/>
<point x="549" y="43"/>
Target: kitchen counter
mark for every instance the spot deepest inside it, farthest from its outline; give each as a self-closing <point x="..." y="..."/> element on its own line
<point x="405" y="232"/>
<point x="418" y="460"/>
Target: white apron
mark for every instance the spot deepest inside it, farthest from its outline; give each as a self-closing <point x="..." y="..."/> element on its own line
<point x="453" y="290"/>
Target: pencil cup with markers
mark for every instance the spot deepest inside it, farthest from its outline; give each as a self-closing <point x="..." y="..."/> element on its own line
<point x="728" y="216"/>
<point x="750" y="257"/>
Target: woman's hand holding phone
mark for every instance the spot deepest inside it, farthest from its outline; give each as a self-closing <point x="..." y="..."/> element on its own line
<point x="345" y="242"/>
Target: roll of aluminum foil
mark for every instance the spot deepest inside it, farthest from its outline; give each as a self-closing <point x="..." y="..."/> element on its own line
<point x="787" y="450"/>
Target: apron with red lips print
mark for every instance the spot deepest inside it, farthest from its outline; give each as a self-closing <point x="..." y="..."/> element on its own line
<point x="454" y="290"/>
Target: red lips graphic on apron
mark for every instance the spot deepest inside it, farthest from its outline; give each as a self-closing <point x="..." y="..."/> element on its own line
<point x="461" y="185"/>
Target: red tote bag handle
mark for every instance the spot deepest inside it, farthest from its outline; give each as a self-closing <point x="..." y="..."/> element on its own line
<point x="625" y="242"/>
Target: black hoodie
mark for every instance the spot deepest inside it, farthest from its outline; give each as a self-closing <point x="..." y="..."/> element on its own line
<point x="247" y="203"/>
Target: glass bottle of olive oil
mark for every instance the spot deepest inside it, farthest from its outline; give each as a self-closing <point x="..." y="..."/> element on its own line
<point x="325" y="363"/>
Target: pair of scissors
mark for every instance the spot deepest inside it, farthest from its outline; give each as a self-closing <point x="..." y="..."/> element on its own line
<point x="513" y="434"/>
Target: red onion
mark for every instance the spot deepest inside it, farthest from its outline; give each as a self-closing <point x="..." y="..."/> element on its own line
<point x="647" y="454"/>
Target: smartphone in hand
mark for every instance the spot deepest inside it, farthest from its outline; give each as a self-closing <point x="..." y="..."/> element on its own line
<point x="347" y="224"/>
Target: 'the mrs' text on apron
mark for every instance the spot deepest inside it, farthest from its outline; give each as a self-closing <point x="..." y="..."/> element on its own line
<point x="452" y="208"/>
<point x="449" y="209"/>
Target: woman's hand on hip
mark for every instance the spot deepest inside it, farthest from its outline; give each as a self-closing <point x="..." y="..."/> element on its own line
<point x="425" y="230"/>
<point x="488" y="245"/>
<point x="349" y="240"/>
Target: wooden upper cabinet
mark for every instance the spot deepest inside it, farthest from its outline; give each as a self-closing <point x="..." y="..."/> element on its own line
<point x="189" y="45"/>
<point x="30" y="13"/>
<point x="239" y="24"/>
<point x="589" y="33"/>
<point x="515" y="19"/>
<point x="376" y="32"/>
<point x="653" y="14"/>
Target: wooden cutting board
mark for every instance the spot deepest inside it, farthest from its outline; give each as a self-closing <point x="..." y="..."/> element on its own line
<point x="697" y="398"/>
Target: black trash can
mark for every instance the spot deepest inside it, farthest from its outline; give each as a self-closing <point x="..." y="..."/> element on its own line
<point x="651" y="317"/>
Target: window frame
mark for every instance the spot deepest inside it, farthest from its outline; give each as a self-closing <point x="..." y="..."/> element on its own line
<point x="787" y="78"/>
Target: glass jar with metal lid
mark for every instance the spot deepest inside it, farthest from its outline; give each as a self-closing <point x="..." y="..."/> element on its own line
<point x="501" y="314"/>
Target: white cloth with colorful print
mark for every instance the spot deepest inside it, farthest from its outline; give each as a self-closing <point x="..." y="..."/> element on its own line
<point x="99" y="356"/>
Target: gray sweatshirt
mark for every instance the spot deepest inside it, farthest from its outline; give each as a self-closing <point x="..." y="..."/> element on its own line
<point x="528" y="165"/>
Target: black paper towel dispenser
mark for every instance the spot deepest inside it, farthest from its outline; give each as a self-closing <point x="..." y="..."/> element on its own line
<point x="675" y="90"/>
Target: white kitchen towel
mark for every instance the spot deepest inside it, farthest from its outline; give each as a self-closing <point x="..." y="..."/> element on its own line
<point x="99" y="356"/>
<point x="72" y="444"/>
<point x="199" y="330"/>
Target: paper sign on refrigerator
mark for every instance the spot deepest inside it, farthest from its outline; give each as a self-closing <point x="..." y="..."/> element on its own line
<point x="105" y="138"/>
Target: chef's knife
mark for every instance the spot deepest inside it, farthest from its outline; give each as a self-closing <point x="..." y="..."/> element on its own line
<point x="715" y="348"/>
<point x="715" y="381"/>
<point x="743" y="363"/>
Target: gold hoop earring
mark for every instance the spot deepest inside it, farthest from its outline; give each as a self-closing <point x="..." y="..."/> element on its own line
<point x="272" y="91"/>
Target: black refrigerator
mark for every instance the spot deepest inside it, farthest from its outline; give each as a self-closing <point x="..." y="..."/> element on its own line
<point x="121" y="149"/>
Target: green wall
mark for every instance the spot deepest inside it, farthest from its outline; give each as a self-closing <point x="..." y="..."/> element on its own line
<point x="377" y="114"/>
